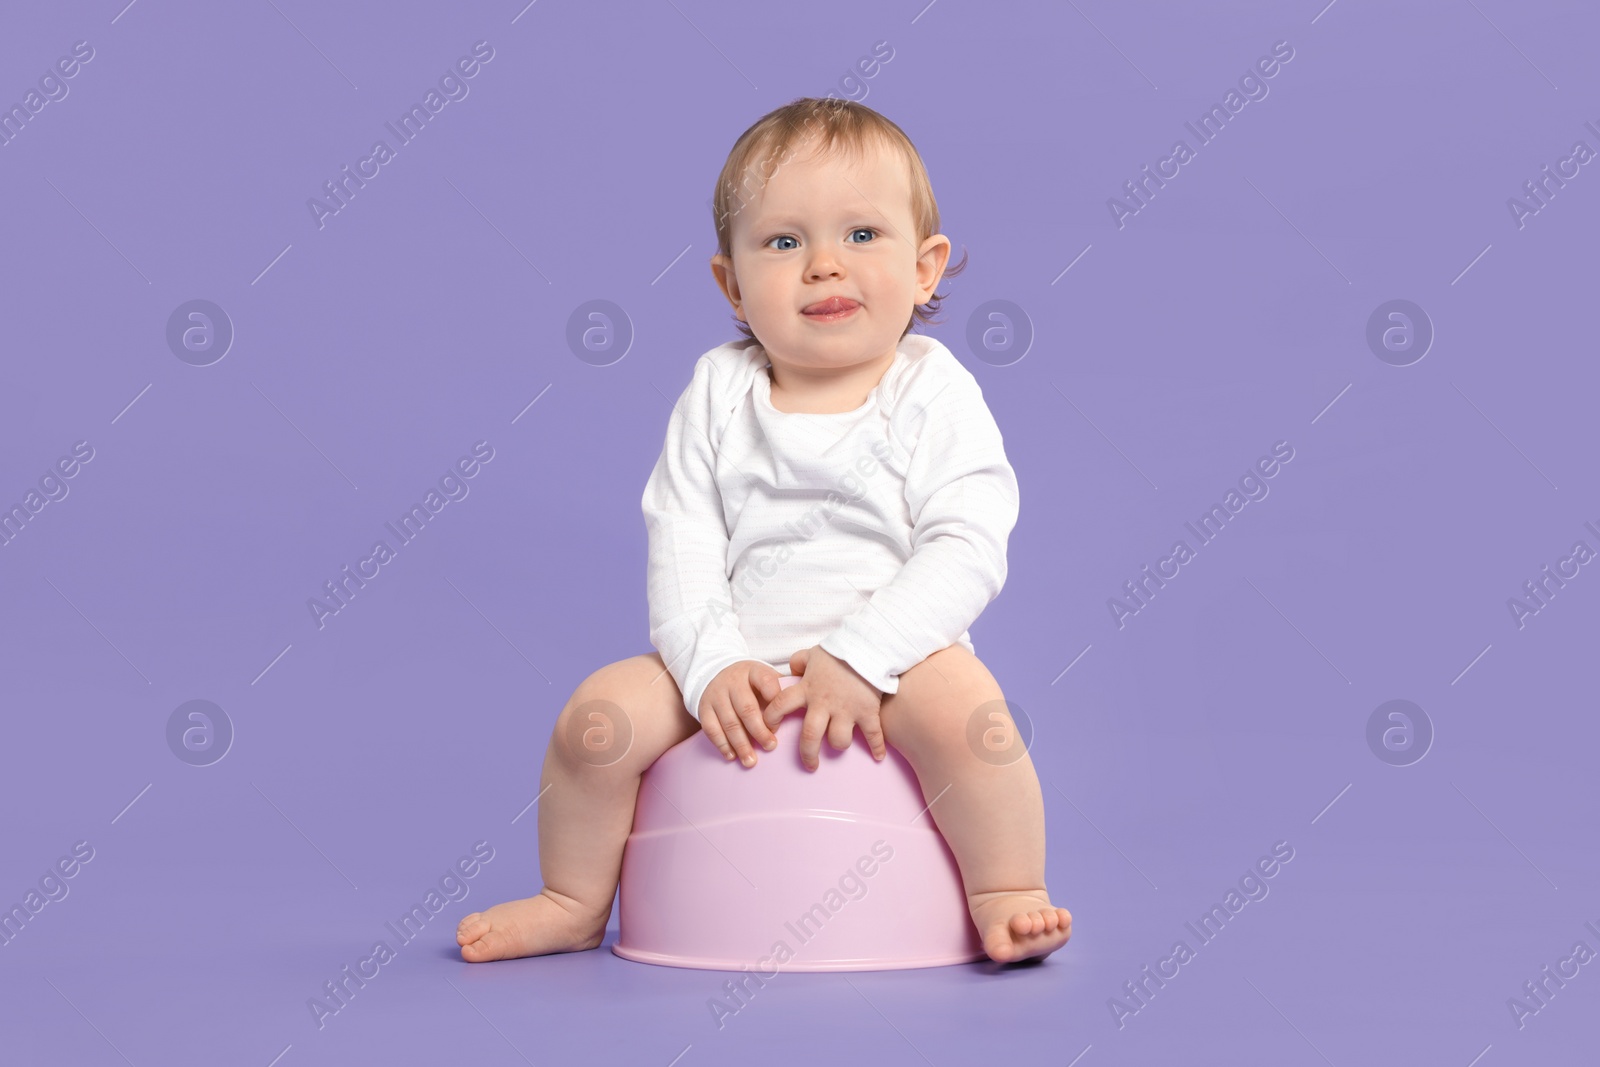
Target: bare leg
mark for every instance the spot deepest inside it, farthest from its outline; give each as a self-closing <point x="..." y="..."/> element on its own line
<point x="618" y="722"/>
<point x="988" y="806"/>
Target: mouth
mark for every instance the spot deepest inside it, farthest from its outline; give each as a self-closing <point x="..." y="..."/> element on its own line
<point x="833" y="309"/>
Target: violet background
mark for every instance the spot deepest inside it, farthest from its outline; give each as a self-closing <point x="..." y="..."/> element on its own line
<point x="1229" y="314"/>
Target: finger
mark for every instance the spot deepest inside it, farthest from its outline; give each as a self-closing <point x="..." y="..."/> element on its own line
<point x="713" y="729"/>
<point x="784" y="703"/>
<point x="872" y="730"/>
<point x="735" y="731"/>
<point x="797" y="662"/>
<point x="840" y="731"/>
<point x="749" y="712"/>
<point x="811" y="730"/>
<point x="764" y="682"/>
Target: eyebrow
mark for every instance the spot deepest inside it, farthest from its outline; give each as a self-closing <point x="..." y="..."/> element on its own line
<point x="858" y="211"/>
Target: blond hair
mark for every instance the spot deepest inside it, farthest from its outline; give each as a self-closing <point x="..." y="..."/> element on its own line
<point x="841" y="126"/>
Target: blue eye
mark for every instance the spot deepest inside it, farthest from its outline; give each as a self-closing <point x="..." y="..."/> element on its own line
<point x="783" y="237"/>
<point x="863" y="229"/>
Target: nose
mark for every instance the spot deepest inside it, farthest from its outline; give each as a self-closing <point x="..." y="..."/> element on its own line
<point x="824" y="264"/>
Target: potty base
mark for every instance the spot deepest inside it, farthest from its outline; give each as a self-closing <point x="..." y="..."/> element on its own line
<point x="794" y="965"/>
<point x="811" y="897"/>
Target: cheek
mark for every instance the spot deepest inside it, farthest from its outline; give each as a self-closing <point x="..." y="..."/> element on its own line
<point x="892" y="279"/>
<point x="766" y="287"/>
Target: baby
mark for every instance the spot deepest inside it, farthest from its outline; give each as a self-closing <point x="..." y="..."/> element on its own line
<point x="833" y="502"/>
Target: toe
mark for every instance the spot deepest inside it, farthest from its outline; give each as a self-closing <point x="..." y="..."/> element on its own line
<point x="998" y="945"/>
<point x="488" y="946"/>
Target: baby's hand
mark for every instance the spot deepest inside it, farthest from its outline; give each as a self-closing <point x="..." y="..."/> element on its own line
<point x="836" y="699"/>
<point x="729" y="711"/>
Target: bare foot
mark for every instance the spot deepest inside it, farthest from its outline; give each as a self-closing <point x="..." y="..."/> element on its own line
<point x="531" y="927"/>
<point x="1019" y="926"/>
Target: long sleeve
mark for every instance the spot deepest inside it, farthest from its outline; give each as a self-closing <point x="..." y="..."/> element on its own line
<point x="692" y="623"/>
<point x="963" y="499"/>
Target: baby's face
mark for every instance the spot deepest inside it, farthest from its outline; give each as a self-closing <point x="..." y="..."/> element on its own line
<point x="822" y="228"/>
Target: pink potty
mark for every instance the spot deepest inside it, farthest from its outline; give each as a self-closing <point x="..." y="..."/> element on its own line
<point x="777" y="867"/>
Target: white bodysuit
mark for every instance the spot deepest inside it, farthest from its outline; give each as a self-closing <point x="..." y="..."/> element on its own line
<point x="878" y="534"/>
